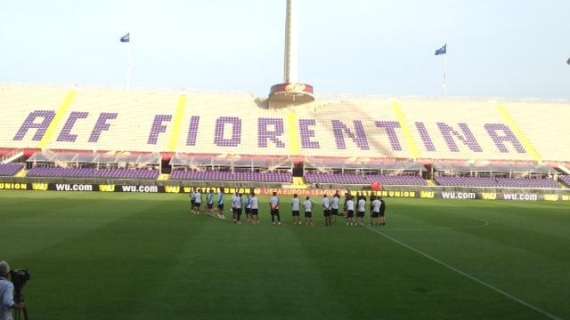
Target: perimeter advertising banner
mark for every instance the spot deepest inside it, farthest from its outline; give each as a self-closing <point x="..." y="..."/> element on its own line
<point x="420" y="194"/>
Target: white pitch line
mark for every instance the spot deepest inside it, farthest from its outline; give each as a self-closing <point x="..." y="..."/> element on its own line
<point x="467" y="275"/>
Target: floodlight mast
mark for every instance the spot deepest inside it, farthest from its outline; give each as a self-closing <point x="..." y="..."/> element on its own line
<point x="291" y="51"/>
<point x="290" y="92"/>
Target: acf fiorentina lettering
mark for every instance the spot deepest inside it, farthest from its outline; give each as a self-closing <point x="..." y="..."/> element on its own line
<point x="271" y="131"/>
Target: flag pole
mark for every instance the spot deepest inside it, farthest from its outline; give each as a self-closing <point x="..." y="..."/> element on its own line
<point x="130" y="66"/>
<point x="444" y="83"/>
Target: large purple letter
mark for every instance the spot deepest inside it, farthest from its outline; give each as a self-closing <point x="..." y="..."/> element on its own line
<point x="101" y="125"/>
<point x="359" y="136"/>
<point x="506" y="136"/>
<point x="467" y="137"/>
<point x="264" y="134"/>
<point x="235" y="140"/>
<point x="158" y="127"/>
<point x="307" y="134"/>
<point x="424" y="134"/>
<point x="30" y="123"/>
<point x="390" y="127"/>
<point x="193" y="131"/>
<point x="66" y="135"/>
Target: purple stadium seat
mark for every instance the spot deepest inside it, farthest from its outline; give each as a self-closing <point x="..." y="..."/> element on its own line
<point x="94" y="173"/>
<point x="10" y="169"/>
<point x="536" y="183"/>
<point x="327" y="178"/>
<point x="270" y="177"/>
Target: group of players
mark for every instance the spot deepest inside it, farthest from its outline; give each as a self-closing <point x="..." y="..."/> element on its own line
<point x="354" y="208"/>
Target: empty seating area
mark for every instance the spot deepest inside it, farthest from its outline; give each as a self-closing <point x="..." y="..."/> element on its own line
<point x="89" y="173"/>
<point x="476" y="182"/>
<point x="491" y="182"/>
<point x="527" y="183"/>
<point x="565" y="180"/>
<point x="270" y="177"/>
<point x="353" y="179"/>
<point x="10" y="169"/>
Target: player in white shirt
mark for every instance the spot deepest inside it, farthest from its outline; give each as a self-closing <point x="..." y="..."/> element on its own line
<point x="335" y="206"/>
<point x="221" y="204"/>
<point x="210" y="201"/>
<point x="254" y="206"/>
<point x="376" y="204"/>
<point x="236" y="208"/>
<point x="197" y="201"/>
<point x="247" y="204"/>
<point x="275" y="202"/>
<point x="308" y="204"/>
<point x="349" y="211"/>
<point x="327" y="210"/>
<point x="296" y="209"/>
<point x="382" y="212"/>
<point x="361" y="209"/>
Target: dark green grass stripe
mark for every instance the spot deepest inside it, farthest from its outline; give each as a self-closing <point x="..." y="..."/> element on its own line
<point x="106" y="272"/>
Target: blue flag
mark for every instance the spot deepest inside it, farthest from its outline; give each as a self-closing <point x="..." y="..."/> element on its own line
<point x="126" y="38"/>
<point x="442" y="50"/>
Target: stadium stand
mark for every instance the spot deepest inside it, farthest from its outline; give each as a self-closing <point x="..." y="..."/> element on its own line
<point x="10" y="169"/>
<point x="565" y="180"/>
<point x="146" y="174"/>
<point x="353" y="179"/>
<point x="209" y="123"/>
<point x="466" y="182"/>
<point x="482" y="182"/>
<point x="105" y="133"/>
<point x="270" y="177"/>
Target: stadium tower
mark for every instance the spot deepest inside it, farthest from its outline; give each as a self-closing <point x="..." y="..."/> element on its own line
<point x="290" y="92"/>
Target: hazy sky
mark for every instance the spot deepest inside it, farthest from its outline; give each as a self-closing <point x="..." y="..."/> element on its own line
<point x="496" y="48"/>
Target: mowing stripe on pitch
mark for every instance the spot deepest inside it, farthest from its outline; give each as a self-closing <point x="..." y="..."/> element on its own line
<point x="467" y="275"/>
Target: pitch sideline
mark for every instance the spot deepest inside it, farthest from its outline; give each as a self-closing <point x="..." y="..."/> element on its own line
<point x="467" y="275"/>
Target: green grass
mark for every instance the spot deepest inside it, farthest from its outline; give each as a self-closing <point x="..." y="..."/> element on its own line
<point x="140" y="256"/>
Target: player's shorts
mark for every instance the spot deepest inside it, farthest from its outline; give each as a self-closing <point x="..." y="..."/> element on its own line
<point x="197" y="205"/>
<point x="327" y="213"/>
<point x="375" y="214"/>
<point x="361" y="214"/>
<point x="210" y="205"/>
<point x="221" y="206"/>
<point x="308" y="214"/>
<point x="274" y="211"/>
<point x="254" y="212"/>
<point x="382" y="213"/>
<point x="334" y="212"/>
<point x="350" y="213"/>
<point x="295" y="213"/>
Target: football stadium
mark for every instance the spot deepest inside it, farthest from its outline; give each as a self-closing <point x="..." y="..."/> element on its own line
<point x="128" y="203"/>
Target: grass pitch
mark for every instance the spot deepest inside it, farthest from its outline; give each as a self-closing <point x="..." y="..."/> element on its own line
<point x="140" y="256"/>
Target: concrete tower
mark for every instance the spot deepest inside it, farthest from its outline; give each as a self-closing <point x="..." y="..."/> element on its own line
<point x="290" y="92"/>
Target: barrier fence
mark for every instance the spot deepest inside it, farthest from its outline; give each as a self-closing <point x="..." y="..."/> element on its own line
<point x="415" y="192"/>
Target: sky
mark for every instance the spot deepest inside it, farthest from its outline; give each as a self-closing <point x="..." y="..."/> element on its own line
<point x="496" y="48"/>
